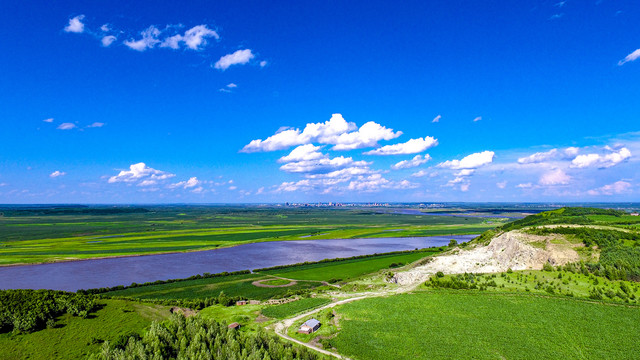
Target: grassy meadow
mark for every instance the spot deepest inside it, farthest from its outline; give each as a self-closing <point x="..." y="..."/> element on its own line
<point x="463" y="324"/>
<point x="49" y="235"/>
<point x="75" y="338"/>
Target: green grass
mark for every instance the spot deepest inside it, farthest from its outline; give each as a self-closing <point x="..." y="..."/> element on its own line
<point x="245" y="315"/>
<point x="478" y="325"/>
<point x="283" y="311"/>
<point x="74" y="337"/>
<point x="41" y="236"/>
<point x="235" y="285"/>
<point x="347" y="269"/>
<point x="276" y="282"/>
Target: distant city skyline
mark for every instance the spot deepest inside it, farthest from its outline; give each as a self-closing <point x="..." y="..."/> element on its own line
<point x="274" y="102"/>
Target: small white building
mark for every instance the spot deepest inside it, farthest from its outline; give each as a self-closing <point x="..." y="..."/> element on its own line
<point x="309" y="326"/>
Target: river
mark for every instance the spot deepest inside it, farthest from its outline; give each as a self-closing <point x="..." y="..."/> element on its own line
<point x="87" y="274"/>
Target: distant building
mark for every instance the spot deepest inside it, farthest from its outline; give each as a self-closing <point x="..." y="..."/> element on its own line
<point x="635" y="214"/>
<point x="309" y="326"/>
<point x="234" y="325"/>
<point x="241" y="302"/>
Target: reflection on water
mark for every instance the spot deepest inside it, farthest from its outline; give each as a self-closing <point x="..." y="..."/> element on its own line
<point x="88" y="274"/>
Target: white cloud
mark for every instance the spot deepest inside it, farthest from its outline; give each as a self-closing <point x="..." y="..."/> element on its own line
<point x="57" y="173"/>
<point x="538" y="157"/>
<point x="477" y="119"/>
<point x="322" y="165"/>
<point x="96" y="125"/>
<point x="555" y="177"/>
<point x="464" y="187"/>
<point x="367" y="135"/>
<point x="239" y="57"/>
<point x="232" y="86"/>
<point x="108" y="40"/>
<point x="457" y="180"/>
<point x="224" y="90"/>
<point x="552" y="154"/>
<point x="436" y="119"/>
<point x="140" y="171"/>
<point x="416" y="161"/>
<point x="421" y="173"/>
<point x="194" y="38"/>
<point x="148" y="41"/>
<point x="410" y="147"/>
<point x="191" y="183"/>
<point x="501" y="185"/>
<point x="105" y="28"/>
<point x="472" y="161"/>
<point x="232" y="187"/>
<point x="465" y="172"/>
<point x="228" y="87"/>
<point x="618" y="187"/>
<point x="67" y="126"/>
<point x="75" y="25"/>
<point x="303" y="153"/>
<point x="49" y="120"/>
<point x="328" y="132"/>
<point x="601" y="161"/>
<point x="525" y="186"/>
<point x="263" y="63"/>
<point x="631" y="57"/>
<point x="260" y="191"/>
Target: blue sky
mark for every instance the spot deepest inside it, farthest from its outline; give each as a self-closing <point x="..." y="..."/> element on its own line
<point x="248" y="101"/>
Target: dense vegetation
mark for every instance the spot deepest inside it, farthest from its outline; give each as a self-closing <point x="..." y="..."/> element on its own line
<point x="483" y="325"/>
<point x="197" y="338"/>
<point x="289" y="309"/>
<point x="25" y="311"/>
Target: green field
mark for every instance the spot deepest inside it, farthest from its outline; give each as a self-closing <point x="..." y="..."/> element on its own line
<point x="74" y="337"/>
<point x="463" y="324"/>
<point x="348" y="269"/>
<point x="47" y="235"/>
<point x="289" y="309"/>
<point x="233" y="286"/>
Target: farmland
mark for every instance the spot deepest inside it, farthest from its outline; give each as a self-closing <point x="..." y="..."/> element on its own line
<point x="462" y="324"/>
<point x="38" y="235"/>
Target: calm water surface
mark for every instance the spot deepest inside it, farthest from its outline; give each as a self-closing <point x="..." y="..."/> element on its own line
<point x="87" y="274"/>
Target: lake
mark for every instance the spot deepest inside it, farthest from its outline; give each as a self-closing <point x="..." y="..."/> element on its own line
<point x="87" y="274"/>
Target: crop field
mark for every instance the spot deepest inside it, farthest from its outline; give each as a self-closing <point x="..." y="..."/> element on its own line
<point x="282" y="311"/>
<point x="75" y="338"/>
<point x="479" y="325"/>
<point x="348" y="269"/>
<point x="58" y="234"/>
<point x="235" y="285"/>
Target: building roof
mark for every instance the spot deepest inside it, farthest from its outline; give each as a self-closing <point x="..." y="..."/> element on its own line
<point x="312" y="323"/>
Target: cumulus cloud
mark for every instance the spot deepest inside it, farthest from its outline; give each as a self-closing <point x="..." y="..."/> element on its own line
<point x="336" y="131"/>
<point x="191" y="183"/>
<point x="57" y="173"/>
<point x="601" y="161"/>
<point x="465" y="172"/>
<point x="140" y="172"/>
<point x="49" y="120"/>
<point x="410" y="147"/>
<point x="618" y="187"/>
<point x="239" y="57"/>
<point x="108" y="40"/>
<point x="421" y="173"/>
<point x="303" y="153"/>
<point x="525" y="186"/>
<point x="148" y="41"/>
<point x="464" y="187"/>
<point x="96" y="125"/>
<point x="478" y="118"/>
<point x="232" y="86"/>
<point x="263" y="63"/>
<point x="416" y="161"/>
<point x="552" y="154"/>
<point x="555" y="177"/>
<point x="436" y="119"/>
<point x="472" y="161"/>
<point x="75" y="25"/>
<point x="194" y="38"/>
<point x="324" y="164"/>
<point x="501" y="184"/>
<point x="66" y="126"/>
<point x="631" y="57"/>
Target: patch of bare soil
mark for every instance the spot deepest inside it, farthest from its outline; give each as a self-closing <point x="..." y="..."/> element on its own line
<point x="261" y="318"/>
<point x="259" y="283"/>
<point x="184" y="311"/>
<point x="515" y="249"/>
